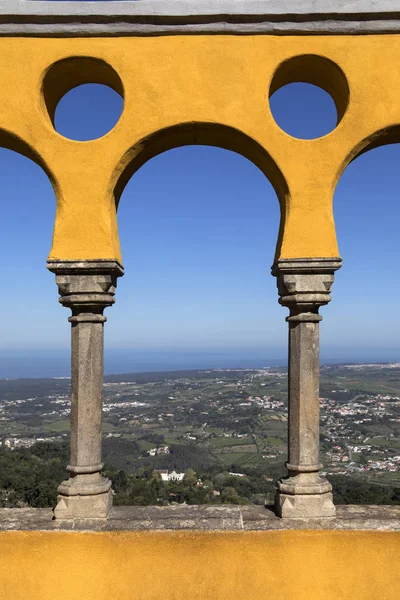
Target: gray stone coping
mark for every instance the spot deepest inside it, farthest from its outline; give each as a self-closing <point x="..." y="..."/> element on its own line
<point x="202" y="518"/>
<point x="200" y="7"/>
<point x="171" y="17"/>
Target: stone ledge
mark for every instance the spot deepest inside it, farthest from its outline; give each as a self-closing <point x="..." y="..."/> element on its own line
<point x="182" y="8"/>
<point x="161" y="17"/>
<point x="202" y="518"/>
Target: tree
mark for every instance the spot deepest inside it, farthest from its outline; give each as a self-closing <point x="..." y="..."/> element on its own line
<point x="219" y="481"/>
<point x="190" y="477"/>
<point x="230" y="496"/>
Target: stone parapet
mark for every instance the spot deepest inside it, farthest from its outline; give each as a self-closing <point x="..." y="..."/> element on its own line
<point x="202" y="518"/>
<point x="200" y="553"/>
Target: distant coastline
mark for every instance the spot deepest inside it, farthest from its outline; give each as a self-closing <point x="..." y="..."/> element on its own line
<point x="56" y="363"/>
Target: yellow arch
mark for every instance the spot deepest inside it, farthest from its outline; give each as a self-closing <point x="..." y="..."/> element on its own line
<point x="200" y="89"/>
<point x="205" y="134"/>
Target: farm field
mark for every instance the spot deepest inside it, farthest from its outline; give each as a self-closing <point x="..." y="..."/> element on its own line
<point x="233" y="420"/>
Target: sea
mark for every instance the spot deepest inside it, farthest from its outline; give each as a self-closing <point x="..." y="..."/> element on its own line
<point x="56" y="362"/>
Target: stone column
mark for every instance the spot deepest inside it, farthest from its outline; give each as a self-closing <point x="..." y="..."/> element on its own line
<point x="304" y="285"/>
<point x="87" y="288"/>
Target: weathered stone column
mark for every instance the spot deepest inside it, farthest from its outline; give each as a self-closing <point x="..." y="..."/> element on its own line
<point x="87" y="288"/>
<point x="304" y="285"/>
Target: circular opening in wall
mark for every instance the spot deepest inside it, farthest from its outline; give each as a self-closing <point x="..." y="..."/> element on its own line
<point x="83" y="97"/>
<point x="88" y="112"/>
<point x="303" y="110"/>
<point x="308" y="96"/>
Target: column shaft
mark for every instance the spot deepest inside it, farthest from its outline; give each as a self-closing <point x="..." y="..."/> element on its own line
<point x="86" y="390"/>
<point x="303" y="394"/>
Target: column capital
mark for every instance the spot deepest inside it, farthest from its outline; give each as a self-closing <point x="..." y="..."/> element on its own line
<point x="304" y="284"/>
<point x="86" y="286"/>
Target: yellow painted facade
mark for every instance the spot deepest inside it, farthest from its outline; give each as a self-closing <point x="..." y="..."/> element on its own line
<point x="197" y="89"/>
<point x="274" y="565"/>
<point x="211" y="90"/>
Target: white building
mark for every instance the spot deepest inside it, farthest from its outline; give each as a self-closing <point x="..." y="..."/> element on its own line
<point x="173" y="476"/>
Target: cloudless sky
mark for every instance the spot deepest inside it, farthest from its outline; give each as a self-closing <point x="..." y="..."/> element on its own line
<point x="198" y="228"/>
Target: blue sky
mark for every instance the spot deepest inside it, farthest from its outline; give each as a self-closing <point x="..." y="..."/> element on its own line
<point x="198" y="229"/>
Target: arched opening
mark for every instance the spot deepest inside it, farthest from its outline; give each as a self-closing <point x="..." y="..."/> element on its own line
<point x="362" y="329"/>
<point x="35" y="340"/>
<point x="365" y="209"/>
<point x="32" y="328"/>
<point x="209" y="134"/>
<point x="197" y="162"/>
<point x="198" y="226"/>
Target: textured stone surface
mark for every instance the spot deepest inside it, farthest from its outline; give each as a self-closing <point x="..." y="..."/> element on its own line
<point x="305" y="506"/>
<point x="201" y="7"/>
<point x="304" y="286"/>
<point x="81" y="506"/>
<point x="182" y="517"/>
<point x="87" y="288"/>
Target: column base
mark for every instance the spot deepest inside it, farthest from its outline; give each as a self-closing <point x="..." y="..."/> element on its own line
<point x="84" y="496"/>
<point x="305" y="506"/>
<point x="95" y="506"/>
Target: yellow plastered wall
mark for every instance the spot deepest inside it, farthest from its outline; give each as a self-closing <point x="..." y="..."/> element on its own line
<point x="197" y="89"/>
<point x="274" y="565"/>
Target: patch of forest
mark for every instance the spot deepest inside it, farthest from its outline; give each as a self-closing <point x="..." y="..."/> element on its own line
<point x="30" y="477"/>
